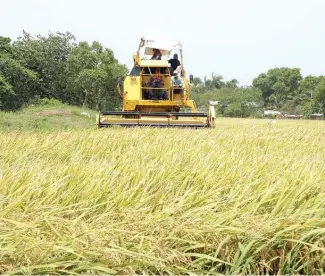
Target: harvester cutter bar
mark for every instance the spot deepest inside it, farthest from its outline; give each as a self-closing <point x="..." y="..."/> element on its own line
<point x="153" y="125"/>
<point x="140" y="121"/>
<point x="156" y="114"/>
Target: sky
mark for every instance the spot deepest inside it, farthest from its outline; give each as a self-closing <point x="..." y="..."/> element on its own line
<point x="234" y="38"/>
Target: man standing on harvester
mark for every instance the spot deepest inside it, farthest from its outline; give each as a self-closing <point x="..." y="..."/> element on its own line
<point x="174" y="62"/>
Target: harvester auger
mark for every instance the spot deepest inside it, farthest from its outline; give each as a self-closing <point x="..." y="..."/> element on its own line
<point x="157" y="92"/>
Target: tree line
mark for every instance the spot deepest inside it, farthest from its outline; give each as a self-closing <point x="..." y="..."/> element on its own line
<point x="56" y="66"/>
<point x="283" y="89"/>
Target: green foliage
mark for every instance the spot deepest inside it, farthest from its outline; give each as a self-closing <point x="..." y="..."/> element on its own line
<point x="47" y="56"/>
<point x="278" y="84"/>
<point x="234" y="110"/>
<point x="92" y="76"/>
<point x="55" y="67"/>
<point x="5" y="87"/>
<point x="320" y="95"/>
<point x="17" y="83"/>
<point x="197" y="81"/>
<point x="308" y="85"/>
<point x="232" y="84"/>
<point x="5" y="46"/>
<point x="22" y="80"/>
<point x="286" y="90"/>
<point x="216" y="81"/>
<point x="308" y="108"/>
<point x="233" y="102"/>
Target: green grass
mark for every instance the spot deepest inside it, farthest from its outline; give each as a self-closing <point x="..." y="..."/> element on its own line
<point x="245" y="198"/>
<point x="50" y="115"/>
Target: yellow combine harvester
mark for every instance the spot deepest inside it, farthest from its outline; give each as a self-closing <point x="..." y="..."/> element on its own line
<point x="157" y="91"/>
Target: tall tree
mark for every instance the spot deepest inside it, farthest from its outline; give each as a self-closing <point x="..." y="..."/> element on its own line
<point x="308" y="86"/>
<point x="47" y="56"/>
<point x="17" y="83"/>
<point x="278" y="84"/>
<point x="92" y="76"/>
<point x="232" y="84"/>
<point x="320" y="96"/>
<point x="197" y="81"/>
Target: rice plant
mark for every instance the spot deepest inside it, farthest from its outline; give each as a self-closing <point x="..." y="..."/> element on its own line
<point x="245" y="198"/>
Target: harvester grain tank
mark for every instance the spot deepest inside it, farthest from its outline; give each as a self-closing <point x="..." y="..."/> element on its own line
<point x="156" y="94"/>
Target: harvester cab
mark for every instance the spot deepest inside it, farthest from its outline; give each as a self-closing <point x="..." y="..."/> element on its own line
<point x="157" y="91"/>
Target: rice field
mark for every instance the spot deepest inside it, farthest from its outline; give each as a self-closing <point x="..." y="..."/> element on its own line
<point x="245" y="198"/>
